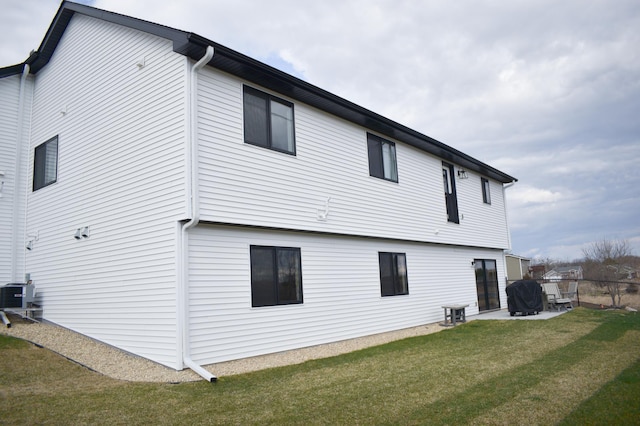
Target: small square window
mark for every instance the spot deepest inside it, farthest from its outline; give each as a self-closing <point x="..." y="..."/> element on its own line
<point x="486" y="191"/>
<point x="45" y="164"/>
<point x="393" y="274"/>
<point x="382" y="158"/>
<point x="268" y="121"/>
<point x="276" y="276"/>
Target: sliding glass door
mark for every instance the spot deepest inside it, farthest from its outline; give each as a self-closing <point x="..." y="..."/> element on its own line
<point x="487" y="284"/>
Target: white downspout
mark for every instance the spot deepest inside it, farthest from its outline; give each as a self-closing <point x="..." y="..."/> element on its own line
<point x="506" y="215"/>
<point x="194" y="207"/>
<point x="506" y="219"/>
<point x="17" y="181"/>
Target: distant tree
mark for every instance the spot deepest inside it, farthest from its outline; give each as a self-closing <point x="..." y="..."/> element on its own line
<point x="603" y="263"/>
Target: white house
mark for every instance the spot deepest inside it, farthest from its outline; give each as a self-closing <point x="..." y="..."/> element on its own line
<point x="564" y="273"/>
<point x="186" y="203"/>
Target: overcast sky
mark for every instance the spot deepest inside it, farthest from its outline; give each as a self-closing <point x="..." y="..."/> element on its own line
<point x="546" y="91"/>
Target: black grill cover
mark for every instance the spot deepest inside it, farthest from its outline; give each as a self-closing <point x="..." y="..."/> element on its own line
<point x="524" y="296"/>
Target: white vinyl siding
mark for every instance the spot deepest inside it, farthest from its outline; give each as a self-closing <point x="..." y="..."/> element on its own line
<point x="242" y="184"/>
<point x="13" y="180"/>
<point x="121" y="172"/>
<point x="10" y="238"/>
<point x="342" y="297"/>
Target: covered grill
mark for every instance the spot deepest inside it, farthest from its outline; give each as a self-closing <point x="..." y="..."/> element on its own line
<point x="524" y="296"/>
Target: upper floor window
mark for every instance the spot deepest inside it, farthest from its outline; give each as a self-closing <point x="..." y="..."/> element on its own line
<point x="45" y="164"/>
<point x="268" y="121"/>
<point x="382" y="158"/>
<point x="276" y="276"/>
<point x="486" y="191"/>
<point x="451" y="199"/>
<point x="393" y="274"/>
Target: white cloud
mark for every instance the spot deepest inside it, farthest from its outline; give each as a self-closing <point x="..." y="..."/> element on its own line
<point x="526" y="195"/>
<point x="24" y="25"/>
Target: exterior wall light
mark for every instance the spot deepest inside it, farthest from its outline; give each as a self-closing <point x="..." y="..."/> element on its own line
<point x="31" y="240"/>
<point x="81" y="233"/>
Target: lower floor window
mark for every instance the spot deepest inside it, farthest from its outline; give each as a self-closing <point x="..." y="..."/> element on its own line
<point x="393" y="274"/>
<point x="276" y="276"/>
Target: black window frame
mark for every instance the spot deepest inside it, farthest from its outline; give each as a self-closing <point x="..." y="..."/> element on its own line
<point x="268" y="291"/>
<point x="376" y="157"/>
<point x="40" y="163"/>
<point x="450" y="194"/>
<point x="393" y="284"/>
<point x="268" y="141"/>
<point x="486" y="190"/>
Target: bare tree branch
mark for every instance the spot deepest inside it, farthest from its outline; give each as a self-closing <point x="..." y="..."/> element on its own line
<point x="604" y="262"/>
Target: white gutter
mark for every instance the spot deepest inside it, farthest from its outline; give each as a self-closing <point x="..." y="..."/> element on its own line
<point x="17" y="181"/>
<point x="505" y="186"/>
<point x="506" y="215"/>
<point x="193" y="205"/>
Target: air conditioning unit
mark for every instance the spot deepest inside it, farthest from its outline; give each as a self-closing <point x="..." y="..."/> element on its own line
<point x="16" y="295"/>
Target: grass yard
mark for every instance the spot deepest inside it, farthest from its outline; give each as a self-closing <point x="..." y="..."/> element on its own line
<point x="579" y="368"/>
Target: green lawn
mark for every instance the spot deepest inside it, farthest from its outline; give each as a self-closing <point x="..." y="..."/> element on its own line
<point x="580" y="368"/>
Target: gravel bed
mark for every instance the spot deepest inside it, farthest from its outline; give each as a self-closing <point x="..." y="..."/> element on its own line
<point x="118" y="364"/>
